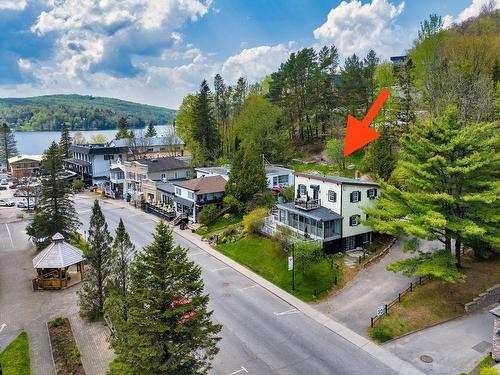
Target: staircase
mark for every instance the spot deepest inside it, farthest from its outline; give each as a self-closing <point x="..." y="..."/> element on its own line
<point x="179" y="218"/>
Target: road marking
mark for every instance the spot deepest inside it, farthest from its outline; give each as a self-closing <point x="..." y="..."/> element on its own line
<point x="8" y="231"/>
<point x="192" y="255"/>
<point x="288" y="312"/>
<point x="242" y="369"/>
<point x="2" y="327"/>
<point x="248" y="287"/>
<point x="220" y="269"/>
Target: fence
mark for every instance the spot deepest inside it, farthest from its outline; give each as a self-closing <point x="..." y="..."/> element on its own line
<point x="421" y="280"/>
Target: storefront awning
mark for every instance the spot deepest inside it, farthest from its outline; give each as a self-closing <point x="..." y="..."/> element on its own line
<point x="183" y="201"/>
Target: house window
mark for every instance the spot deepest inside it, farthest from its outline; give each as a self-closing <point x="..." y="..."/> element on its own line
<point x="190" y="195"/>
<point x="109" y="157"/>
<point x="302" y="189"/>
<point x="163" y="175"/>
<point x="350" y="243"/>
<point x="178" y="191"/>
<point x="283" y="180"/>
<point x="366" y="237"/>
<point x="188" y="173"/>
<point x="332" y="196"/>
<point x="354" y="220"/>
<point x="355" y="196"/>
<point x="371" y="193"/>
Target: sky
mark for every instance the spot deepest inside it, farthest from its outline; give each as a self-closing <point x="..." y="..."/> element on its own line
<point x="157" y="51"/>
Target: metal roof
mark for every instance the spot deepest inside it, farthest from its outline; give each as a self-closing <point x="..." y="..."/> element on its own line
<point x="171" y="139"/>
<point x="321" y="213"/>
<point x="59" y="254"/>
<point x="183" y="201"/>
<point x="83" y="163"/>
<point x="163" y="164"/>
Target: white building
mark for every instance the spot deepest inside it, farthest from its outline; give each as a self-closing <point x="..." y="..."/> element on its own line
<point x="329" y="209"/>
<point x="190" y="196"/>
<point x="277" y="177"/>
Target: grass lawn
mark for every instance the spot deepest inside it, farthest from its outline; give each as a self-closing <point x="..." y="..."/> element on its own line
<point x="220" y="224"/>
<point x="328" y="169"/>
<point x="15" y="359"/>
<point x="263" y="256"/>
<point x="437" y="301"/>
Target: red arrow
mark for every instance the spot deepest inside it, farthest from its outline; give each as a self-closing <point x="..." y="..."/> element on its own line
<point x="358" y="132"/>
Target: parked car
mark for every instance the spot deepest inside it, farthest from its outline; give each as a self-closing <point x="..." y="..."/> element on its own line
<point x="4" y="182"/>
<point x="6" y="202"/>
<point x="3" y="187"/>
<point x="24" y="204"/>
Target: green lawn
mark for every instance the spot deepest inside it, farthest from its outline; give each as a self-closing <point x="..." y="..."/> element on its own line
<point x="329" y="169"/>
<point x="220" y="224"/>
<point x="263" y="256"/>
<point x="15" y="359"/>
<point x="437" y="301"/>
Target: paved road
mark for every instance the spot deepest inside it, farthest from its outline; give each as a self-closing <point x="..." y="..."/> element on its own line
<point x="262" y="334"/>
<point x="373" y="286"/>
<point x="455" y="346"/>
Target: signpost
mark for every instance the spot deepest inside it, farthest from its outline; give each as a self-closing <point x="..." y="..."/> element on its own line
<point x="291" y="265"/>
<point x="380" y="310"/>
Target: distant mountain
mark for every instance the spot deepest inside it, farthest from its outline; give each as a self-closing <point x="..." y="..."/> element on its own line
<point x="79" y="112"/>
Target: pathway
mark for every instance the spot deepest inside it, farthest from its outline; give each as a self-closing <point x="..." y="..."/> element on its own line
<point x="371" y="287"/>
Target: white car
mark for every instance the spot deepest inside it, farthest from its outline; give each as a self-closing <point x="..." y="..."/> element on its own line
<point x="6" y="202"/>
<point x="24" y="204"/>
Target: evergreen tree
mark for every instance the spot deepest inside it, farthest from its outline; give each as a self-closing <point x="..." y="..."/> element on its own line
<point x="406" y="110"/>
<point x="247" y="176"/>
<point x="122" y="129"/>
<point x="447" y="180"/>
<point x="379" y="159"/>
<point x="8" y="147"/>
<point x="56" y="211"/>
<point x="370" y="64"/>
<point x="116" y="303"/>
<point x="98" y="265"/>
<point x="169" y="329"/>
<point x="65" y="141"/>
<point x="150" y="131"/>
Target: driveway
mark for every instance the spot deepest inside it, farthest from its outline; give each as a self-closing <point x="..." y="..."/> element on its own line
<point x="23" y="309"/>
<point x="371" y="287"/>
<point x="455" y="346"/>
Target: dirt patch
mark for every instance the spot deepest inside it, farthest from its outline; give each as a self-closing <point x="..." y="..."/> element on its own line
<point x="64" y="350"/>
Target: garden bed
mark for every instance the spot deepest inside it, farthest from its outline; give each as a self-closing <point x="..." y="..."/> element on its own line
<point x="437" y="301"/>
<point x="64" y="350"/>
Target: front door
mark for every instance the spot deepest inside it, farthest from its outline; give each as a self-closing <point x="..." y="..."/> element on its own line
<point x="316" y="194"/>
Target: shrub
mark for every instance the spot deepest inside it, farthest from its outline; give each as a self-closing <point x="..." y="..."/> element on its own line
<point x="75" y="356"/>
<point x="489" y="371"/>
<point x="288" y="194"/>
<point x="283" y="236"/>
<point x="307" y="253"/>
<point x="264" y="199"/>
<point x="231" y="230"/>
<point x="208" y="214"/>
<point x="226" y="216"/>
<point x="203" y="230"/>
<point x="233" y="204"/>
<point x="59" y="321"/>
<point x="78" y="185"/>
<point x="252" y="222"/>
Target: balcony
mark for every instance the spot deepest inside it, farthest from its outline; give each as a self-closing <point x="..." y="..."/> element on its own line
<point x="307" y="205"/>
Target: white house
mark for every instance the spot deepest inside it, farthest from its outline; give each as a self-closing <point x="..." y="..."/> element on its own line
<point x="329" y="209"/>
<point x="190" y="196"/>
<point x="277" y="177"/>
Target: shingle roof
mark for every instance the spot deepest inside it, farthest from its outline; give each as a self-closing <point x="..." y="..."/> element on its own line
<point x="337" y="179"/>
<point x="59" y="254"/>
<point x="204" y="185"/>
<point x="163" y="164"/>
<point x="321" y="213"/>
<point x="17" y="158"/>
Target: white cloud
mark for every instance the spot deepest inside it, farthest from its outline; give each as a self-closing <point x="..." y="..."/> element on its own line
<point x="254" y="63"/>
<point x="355" y="27"/>
<point x="13" y="4"/>
<point x="473" y="10"/>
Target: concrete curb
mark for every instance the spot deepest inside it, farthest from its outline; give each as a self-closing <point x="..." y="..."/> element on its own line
<point x="381" y="354"/>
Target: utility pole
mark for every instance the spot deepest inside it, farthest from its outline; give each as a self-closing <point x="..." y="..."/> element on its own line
<point x="293" y="266"/>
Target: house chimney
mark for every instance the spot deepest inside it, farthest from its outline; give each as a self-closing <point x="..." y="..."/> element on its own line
<point x="357" y="175"/>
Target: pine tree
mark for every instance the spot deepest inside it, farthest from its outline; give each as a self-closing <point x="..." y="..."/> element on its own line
<point x="406" y="111"/>
<point x="150" y="131"/>
<point x="169" y="329"/>
<point x="379" y="159"/>
<point x="447" y="180"/>
<point x="116" y="303"/>
<point x="98" y="264"/>
<point x="8" y="147"/>
<point x="56" y="211"/>
<point x="247" y="176"/>
<point x="65" y="141"/>
<point x="122" y="129"/>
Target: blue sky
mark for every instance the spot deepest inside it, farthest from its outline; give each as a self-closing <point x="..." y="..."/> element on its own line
<point x="156" y="51"/>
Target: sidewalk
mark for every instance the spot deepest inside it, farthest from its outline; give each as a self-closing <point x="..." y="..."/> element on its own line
<point x="361" y="342"/>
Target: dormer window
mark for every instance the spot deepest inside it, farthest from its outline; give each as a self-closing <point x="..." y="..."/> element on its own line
<point x="355" y="196"/>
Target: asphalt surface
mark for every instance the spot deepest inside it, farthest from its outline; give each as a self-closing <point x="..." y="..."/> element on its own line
<point x="262" y="334"/>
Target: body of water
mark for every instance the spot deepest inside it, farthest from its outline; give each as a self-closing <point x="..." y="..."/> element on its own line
<point x="34" y="143"/>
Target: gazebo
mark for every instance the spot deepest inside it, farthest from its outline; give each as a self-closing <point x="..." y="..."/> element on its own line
<point x="53" y="265"/>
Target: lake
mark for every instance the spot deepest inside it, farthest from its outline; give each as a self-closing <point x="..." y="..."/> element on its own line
<point x="34" y="143"/>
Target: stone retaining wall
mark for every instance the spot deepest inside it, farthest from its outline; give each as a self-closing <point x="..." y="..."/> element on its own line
<point x="491" y="296"/>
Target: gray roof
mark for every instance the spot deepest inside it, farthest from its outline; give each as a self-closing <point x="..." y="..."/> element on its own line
<point x="321" y="213"/>
<point x="163" y="164"/>
<point x="183" y="201"/>
<point x="277" y="169"/>
<point x="83" y="163"/>
<point x="59" y="254"/>
<point x="94" y="149"/>
<point x="337" y="179"/>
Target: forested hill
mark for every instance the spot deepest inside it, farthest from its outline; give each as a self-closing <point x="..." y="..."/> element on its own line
<point x="79" y="112"/>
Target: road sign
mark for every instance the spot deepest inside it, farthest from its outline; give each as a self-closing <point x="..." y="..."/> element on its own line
<point x="290" y="263"/>
<point x="380" y="310"/>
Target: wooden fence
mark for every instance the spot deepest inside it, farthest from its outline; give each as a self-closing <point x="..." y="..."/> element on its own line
<point x="420" y="281"/>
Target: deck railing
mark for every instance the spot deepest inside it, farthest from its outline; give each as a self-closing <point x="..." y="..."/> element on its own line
<point x="307" y="205"/>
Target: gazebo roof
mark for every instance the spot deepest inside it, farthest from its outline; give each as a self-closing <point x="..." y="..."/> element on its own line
<point x="59" y="254"/>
